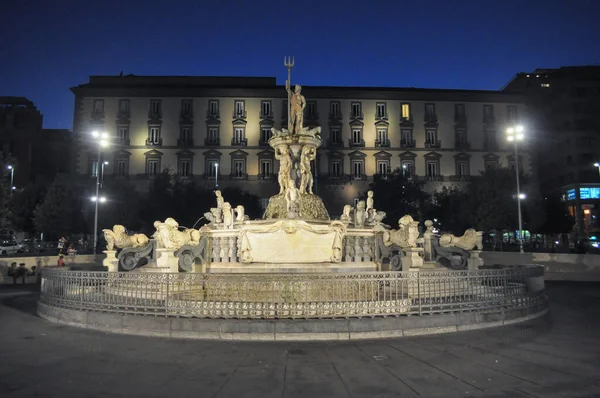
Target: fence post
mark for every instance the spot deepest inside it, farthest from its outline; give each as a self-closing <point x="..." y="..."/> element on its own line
<point x="419" y="292"/>
<point x="167" y="296"/>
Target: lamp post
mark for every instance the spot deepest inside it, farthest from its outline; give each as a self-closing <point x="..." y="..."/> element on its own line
<point x="515" y="134"/>
<point x="597" y="165"/>
<point x="105" y="163"/>
<point x="12" y="178"/>
<point x="216" y="175"/>
<point x="102" y="139"/>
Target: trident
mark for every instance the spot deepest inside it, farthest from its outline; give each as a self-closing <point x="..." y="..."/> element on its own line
<point x="288" y="62"/>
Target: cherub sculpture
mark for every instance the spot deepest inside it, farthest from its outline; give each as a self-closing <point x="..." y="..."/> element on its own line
<point x="118" y="237"/>
<point x="346" y="216"/>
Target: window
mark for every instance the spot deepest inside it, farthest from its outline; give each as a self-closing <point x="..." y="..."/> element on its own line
<point x="408" y="168"/>
<point x="239" y="109"/>
<point x="122" y="132"/>
<point x="98" y="106"/>
<point x="94" y="168"/>
<point x="429" y="111"/>
<point x="405" y="111"/>
<point x="311" y="110"/>
<point x="155" y="108"/>
<point x="238" y="168"/>
<point x="152" y="167"/>
<point x="461" y="136"/>
<point x="186" y="134"/>
<point x="265" y="109"/>
<point x="431" y="137"/>
<point x="381" y="136"/>
<point x="335" y="136"/>
<point x="462" y="168"/>
<point x="154" y="135"/>
<point x="356" y="136"/>
<point x="357" y="168"/>
<point x="432" y="169"/>
<point x="266" y="165"/>
<point x="212" y="168"/>
<point x="213" y="109"/>
<point x="334" y="110"/>
<point x="213" y="135"/>
<point x="383" y="167"/>
<point x="265" y="134"/>
<point x="356" y="110"/>
<point x="335" y="168"/>
<point x="406" y="137"/>
<point x="121" y="167"/>
<point x="381" y="110"/>
<point x="511" y="112"/>
<point x="488" y="113"/>
<point x="238" y="135"/>
<point x="459" y="111"/>
<point x="186" y="107"/>
<point x="185" y="167"/>
<point x="124" y="107"/>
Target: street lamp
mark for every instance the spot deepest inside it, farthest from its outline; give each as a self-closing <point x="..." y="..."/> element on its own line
<point x="102" y="139"/>
<point x="597" y="165"/>
<point x="12" y="178"/>
<point x="105" y="163"/>
<point x="515" y="134"/>
<point x="216" y="175"/>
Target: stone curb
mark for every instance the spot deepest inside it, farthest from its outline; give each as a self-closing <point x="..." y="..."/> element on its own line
<point x="286" y="329"/>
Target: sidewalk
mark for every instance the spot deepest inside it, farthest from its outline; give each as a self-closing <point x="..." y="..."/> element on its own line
<point x="556" y="356"/>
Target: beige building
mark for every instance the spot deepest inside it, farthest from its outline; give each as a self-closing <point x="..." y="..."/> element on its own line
<point x="215" y="129"/>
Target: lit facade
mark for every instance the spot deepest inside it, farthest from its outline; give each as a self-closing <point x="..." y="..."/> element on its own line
<point x="200" y="126"/>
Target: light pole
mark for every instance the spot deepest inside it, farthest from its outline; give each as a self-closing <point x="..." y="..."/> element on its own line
<point x="216" y="175"/>
<point x="515" y="134"/>
<point x="102" y="139"/>
<point x="597" y="165"/>
<point x="12" y="178"/>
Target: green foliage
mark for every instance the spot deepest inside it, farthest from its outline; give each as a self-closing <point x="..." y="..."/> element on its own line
<point x="60" y="213"/>
<point x="23" y="203"/>
<point x="448" y="207"/>
<point x="398" y="195"/>
<point x="558" y="220"/>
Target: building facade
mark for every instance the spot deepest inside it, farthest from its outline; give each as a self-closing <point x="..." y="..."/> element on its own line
<point x="216" y="130"/>
<point x="565" y="104"/>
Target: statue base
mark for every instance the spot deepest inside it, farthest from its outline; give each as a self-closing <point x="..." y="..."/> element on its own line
<point x="166" y="260"/>
<point x="411" y="259"/>
<point x="474" y="261"/>
<point x="111" y="261"/>
<point x="311" y="207"/>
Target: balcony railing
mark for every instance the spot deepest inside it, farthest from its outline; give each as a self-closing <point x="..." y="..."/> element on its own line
<point x="97" y="115"/>
<point x="433" y="144"/>
<point x="123" y="115"/>
<point x="489" y="119"/>
<point x="383" y="143"/>
<point x="186" y="115"/>
<point x="335" y="116"/>
<point x="434" y="178"/>
<point x="154" y="115"/>
<point x="356" y="144"/>
<point x="490" y="145"/>
<point x="462" y="146"/>
<point x="357" y="116"/>
<point x="405" y="143"/>
<point x="212" y="114"/>
<point x="121" y="141"/>
<point x="239" y="141"/>
<point x="460" y="118"/>
<point x="242" y="176"/>
<point x="430" y="118"/>
<point x="336" y="143"/>
<point x="266" y="115"/>
<point x="381" y="116"/>
<point x="459" y="178"/>
<point x="185" y="142"/>
<point x="150" y="142"/>
<point x="212" y="142"/>
<point x="237" y="114"/>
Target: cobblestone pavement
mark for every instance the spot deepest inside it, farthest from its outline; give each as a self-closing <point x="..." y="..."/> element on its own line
<point x="555" y="356"/>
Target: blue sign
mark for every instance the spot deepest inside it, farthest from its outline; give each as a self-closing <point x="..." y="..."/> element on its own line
<point x="589" y="193"/>
<point x="571" y="194"/>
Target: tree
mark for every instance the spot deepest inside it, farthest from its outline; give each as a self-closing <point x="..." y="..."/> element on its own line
<point x="399" y="195"/>
<point x="122" y="206"/>
<point x="60" y="213"/>
<point x="447" y="208"/>
<point x="24" y="202"/>
<point x="558" y="220"/>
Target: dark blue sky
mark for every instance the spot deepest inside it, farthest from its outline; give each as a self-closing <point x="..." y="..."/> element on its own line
<point x="48" y="46"/>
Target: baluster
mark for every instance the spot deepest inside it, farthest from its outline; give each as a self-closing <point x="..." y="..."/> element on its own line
<point x="357" y="249"/>
<point x="366" y="249"/>
<point x="224" y="249"/>
<point x="216" y="252"/>
<point x="348" y="248"/>
<point x="232" y="249"/>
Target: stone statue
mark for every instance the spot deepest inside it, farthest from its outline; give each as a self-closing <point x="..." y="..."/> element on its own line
<point x="292" y="199"/>
<point x="360" y="215"/>
<point x="346" y="213"/>
<point x="308" y="154"/>
<point x="239" y="211"/>
<point x="216" y="215"/>
<point x="378" y="216"/>
<point x="118" y="237"/>
<point x="227" y="215"/>
<point x="285" y="165"/>
<point x="210" y="217"/>
<point x="370" y="200"/>
<point x="406" y="236"/>
<point x="468" y="241"/>
<point x="220" y="199"/>
<point x="297" y="103"/>
<point x="168" y="235"/>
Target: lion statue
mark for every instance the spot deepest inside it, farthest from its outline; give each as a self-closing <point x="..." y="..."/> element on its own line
<point x="168" y="235"/>
<point x="117" y="237"/>
<point x="468" y="241"/>
<point x="406" y="236"/>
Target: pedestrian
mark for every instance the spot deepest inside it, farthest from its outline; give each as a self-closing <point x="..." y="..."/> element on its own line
<point x="61" y="261"/>
<point x="21" y="273"/>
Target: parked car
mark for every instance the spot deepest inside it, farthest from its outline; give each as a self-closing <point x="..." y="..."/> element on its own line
<point x="8" y="247"/>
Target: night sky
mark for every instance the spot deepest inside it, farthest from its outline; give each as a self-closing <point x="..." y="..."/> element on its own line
<point x="469" y="44"/>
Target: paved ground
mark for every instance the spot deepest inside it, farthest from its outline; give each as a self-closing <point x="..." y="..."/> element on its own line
<point x="556" y="356"/>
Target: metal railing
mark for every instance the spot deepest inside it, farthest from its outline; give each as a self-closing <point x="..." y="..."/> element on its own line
<point x="270" y="296"/>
